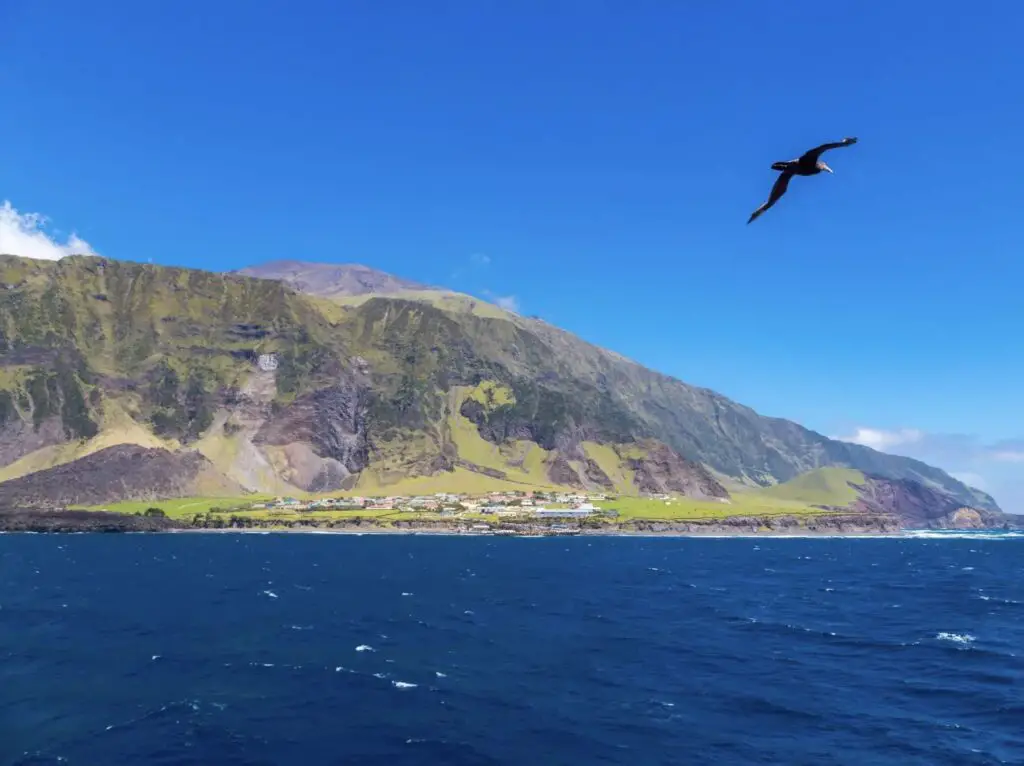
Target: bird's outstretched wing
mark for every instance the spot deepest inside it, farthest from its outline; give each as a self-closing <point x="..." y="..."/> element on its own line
<point x="778" y="189"/>
<point x="811" y="155"/>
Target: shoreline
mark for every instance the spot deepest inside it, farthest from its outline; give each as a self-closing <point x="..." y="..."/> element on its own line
<point x="903" y="534"/>
<point x="716" y="535"/>
<point x="789" y="527"/>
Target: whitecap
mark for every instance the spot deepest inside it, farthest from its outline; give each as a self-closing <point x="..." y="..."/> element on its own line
<point x="439" y="674"/>
<point x="403" y="685"/>
<point x="365" y="648"/>
<point x="957" y="638"/>
<point x="269" y="594"/>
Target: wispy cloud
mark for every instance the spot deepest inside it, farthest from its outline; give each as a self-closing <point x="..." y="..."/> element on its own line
<point x="990" y="466"/>
<point x="475" y="262"/>
<point x="1008" y="456"/>
<point x="507" y="302"/>
<point x="882" y="440"/>
<point x="23" y="234"/>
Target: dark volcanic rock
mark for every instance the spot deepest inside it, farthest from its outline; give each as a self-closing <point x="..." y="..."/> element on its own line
<point x="494" y="473"/>
<point x="332" y="419"/>
<point x="824" y="524"/>
<point x="662" y="470"/>
<point x="594" y="474"/>
<point x="21" y="520"/>
<point x="920" y="507"/>
<point x="561" y="472"/>
<point x="19" y="437"/>
<point x="122" y="472"/>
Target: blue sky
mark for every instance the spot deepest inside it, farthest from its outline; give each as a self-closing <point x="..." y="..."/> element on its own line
<point x="593" y="161"/>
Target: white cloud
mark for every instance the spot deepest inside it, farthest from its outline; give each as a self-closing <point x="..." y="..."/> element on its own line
<point x="475" y="262"/>
<point x="993" y="467"/>
<point x="883" y="440"/>
<point x="507" y="302"/>
<point x="22" y="234"/>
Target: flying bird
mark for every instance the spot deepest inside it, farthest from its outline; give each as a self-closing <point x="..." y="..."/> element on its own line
<point x="807" y="164"/>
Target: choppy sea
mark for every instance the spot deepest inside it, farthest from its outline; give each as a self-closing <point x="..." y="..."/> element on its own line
<point x="333" y="649"/>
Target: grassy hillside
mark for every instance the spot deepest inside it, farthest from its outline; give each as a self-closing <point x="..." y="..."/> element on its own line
<point x="823" y="486"/>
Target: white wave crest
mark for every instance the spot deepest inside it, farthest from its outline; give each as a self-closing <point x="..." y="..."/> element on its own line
<point x="964" y="639"/>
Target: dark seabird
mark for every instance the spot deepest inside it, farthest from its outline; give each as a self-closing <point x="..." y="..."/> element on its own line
<point x="807" y="164"/>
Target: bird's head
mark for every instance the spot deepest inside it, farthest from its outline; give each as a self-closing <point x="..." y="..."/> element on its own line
<point x="823" y="166"/>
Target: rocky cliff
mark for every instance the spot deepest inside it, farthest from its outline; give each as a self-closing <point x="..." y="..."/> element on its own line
<point x="920" y="507"/>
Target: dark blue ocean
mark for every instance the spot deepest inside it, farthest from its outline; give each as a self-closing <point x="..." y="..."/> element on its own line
<point x="331" y="649"/>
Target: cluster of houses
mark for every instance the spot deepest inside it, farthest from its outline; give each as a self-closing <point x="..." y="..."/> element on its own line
<point x="567" y="505"/>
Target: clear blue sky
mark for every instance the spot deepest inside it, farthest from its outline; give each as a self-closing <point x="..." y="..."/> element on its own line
<point x="603" y="155"/>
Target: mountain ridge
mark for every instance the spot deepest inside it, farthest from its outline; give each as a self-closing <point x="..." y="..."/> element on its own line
<point x="331" y="280"/>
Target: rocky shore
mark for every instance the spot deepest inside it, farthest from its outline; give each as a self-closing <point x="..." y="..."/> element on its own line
<point x="34" y="520"/>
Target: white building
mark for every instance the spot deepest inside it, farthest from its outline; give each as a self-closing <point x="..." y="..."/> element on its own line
<point x="564" y="513"/>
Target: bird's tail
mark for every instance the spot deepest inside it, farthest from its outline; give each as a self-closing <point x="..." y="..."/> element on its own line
<point x="780" y="166"/>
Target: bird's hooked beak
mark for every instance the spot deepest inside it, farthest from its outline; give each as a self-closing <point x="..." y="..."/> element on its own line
<point x="826" y="168"/>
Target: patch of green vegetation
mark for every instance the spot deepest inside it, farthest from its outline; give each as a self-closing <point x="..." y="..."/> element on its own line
<point x="521" y="461"/>
<point x="180" y="411"/>
<point x="460" y="480"/>
<point x="60" y="393"/>
<point x="13" y="376"/>
<point x="822" y="486"/>
<point x="688" y="509"/>
<point x="452" y="302"/>
<point x="631" y="451"/>
<point x="275" y="514"/>
<point x="609" y="460"/>
<point x="491" y="395"/>
<point x="183" y="507"/>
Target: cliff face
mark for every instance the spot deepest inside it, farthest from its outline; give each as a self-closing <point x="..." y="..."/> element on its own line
<point x="922" y="508"/>
<point x="367" y="381"/>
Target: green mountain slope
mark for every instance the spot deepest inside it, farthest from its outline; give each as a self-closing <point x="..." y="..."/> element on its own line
<point x="414" y="388"/>
<point x="822" y="486"/>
